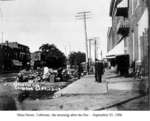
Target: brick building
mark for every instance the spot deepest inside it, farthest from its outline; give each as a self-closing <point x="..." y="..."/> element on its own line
<point x="130" y="27"/>
<point x="13" y="56"/>
<point x="139" y="33"/>
<point x="120" y="24"/>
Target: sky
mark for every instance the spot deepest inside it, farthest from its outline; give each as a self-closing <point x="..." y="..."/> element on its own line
<point x="36" y="22"/>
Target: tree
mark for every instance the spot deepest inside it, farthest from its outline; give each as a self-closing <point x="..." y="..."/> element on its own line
<point x="52" y="57"/>
<point x="75" y="58"/>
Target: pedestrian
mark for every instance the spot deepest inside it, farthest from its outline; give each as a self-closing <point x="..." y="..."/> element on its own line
<point x="99" y="71"/>
<point x="96" y="71"/>
<point x="59" y="75"/>
<point x="80" y="70"/>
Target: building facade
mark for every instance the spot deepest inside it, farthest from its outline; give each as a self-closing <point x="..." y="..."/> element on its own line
<point x="120" y="24"/>
<point x="13" y="56"/>
<point x="130" y="26"/>
<point x="139" y="33"/>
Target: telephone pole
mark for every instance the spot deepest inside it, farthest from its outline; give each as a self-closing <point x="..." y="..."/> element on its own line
<point x="90" y="55"/>
<point x="2" y="21"/>
<point x="95" y="43"/>
<point x="84" y="16"/>
<point x="2" y="33"/>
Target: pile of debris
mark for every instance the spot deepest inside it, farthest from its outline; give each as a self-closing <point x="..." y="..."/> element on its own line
<point x="39" y="84"/>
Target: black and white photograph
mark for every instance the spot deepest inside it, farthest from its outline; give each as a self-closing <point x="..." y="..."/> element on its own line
<point x="74" y="55"/>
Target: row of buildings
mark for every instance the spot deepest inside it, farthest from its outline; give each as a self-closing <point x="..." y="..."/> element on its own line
<point x="13" y="56"/>
<point x="16" y="56"/>
<point x="128" y="35"/>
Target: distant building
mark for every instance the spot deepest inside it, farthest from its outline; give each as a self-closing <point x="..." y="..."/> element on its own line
<point x="13" y="56"/>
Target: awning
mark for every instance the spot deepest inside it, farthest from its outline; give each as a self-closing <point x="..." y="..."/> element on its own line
<point x="117" y="50"/>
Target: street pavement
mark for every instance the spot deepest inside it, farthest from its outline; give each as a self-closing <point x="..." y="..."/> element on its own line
<point x="8" y="77"/>
<point x="87" y="94"/>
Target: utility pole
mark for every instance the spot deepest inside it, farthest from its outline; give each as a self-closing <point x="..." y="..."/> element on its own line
<point x="95" y="43"/>
<point x="101" y="54"/>
<point x="2" y="37"/>
<point x="1" y="12"/>
<point x="2" y="33"/>
<point x="84" y="16"/>
<point x="90" y="43"/>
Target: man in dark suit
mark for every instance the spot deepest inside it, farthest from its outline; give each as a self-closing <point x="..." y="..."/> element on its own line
<point x="99" y="70"/>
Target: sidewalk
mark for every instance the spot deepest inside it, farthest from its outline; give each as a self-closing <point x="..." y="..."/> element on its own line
<point x="84" y="86"/>
<point x="86" y="94"/>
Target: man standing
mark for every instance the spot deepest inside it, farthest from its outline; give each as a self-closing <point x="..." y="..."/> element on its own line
<point x="99" y="70"/>
<point x="80" y="70"/>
